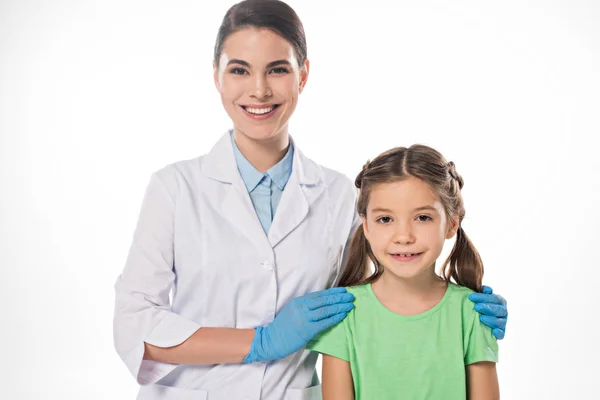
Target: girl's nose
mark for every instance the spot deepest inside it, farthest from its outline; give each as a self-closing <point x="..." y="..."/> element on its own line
<point x="404" y="234"/>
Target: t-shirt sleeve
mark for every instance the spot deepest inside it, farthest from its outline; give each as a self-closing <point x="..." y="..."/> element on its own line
<point x="332" y="341"/>
<point x="479" y="342"/>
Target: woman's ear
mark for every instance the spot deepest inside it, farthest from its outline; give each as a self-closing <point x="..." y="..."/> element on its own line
<point x="216" y="76"/>
<point x="304" y="75"/>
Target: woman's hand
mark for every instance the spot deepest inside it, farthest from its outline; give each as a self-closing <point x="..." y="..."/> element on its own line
<point x="298" y="322"/>
<point x="493" y="310"/>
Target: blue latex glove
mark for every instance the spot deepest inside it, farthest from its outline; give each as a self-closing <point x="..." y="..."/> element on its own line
<point x="298" y="322"/>
<point x="492" y="308"/>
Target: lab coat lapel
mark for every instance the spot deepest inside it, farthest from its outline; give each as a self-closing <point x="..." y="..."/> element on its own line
<point x="238" y="209"/>
<point x="304" y="185"/>
<point x="235" y="205"/>
<point x="293" y="208"/>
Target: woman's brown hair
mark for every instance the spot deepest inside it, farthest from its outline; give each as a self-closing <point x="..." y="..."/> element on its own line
<point x="464" y="264"/>
<point x="275" y="15"/>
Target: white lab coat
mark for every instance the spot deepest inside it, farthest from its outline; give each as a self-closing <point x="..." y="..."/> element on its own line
<point x="198" y="235"/>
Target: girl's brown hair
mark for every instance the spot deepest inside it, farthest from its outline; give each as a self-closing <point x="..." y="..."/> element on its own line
<point x="464" y="264"/>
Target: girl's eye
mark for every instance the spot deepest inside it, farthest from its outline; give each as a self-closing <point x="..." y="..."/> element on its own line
<point x="384" y="220"/>
<point x="280" y="70"/>
<point x="237" y="71"/>
<point x="424" y="218"/>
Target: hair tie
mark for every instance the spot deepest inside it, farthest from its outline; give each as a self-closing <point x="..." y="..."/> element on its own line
<point x="454" y="175"/>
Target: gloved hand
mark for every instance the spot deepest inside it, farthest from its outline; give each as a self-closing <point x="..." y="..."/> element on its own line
<point x="493" y="310"/>
<point x="298" y="322"/>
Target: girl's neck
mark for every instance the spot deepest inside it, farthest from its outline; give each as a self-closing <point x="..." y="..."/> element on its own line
<point x="410" y="296"/>
<point x="262" y="154"/>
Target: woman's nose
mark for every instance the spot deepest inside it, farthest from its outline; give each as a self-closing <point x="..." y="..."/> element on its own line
<point x="261" y="88"/>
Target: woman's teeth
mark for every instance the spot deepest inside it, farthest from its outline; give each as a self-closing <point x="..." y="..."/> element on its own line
<point x="259" y="111"/>
<point x="406" y="255"/>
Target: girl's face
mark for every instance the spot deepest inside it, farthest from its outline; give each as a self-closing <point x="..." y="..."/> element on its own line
<point x="406" y="226"/>
<point x="259" y="80"/>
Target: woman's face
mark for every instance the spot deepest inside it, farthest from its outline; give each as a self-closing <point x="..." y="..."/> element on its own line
<point x="259" y="80"/>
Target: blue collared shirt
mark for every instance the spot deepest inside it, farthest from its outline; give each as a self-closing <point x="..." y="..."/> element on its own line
<point x="265" y="189"/>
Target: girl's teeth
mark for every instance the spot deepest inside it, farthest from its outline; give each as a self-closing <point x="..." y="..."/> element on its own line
<point x="260" y="110"/>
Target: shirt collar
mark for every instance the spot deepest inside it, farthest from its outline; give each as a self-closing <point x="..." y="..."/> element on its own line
<point x="279" y="173"/>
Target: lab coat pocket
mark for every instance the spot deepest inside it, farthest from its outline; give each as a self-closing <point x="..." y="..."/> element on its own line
<point x="311" y="393"/>
<point x="159" y="392"/>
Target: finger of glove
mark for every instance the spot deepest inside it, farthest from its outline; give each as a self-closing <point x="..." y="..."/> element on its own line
<point x="329" y="300"/>
<point x="487" y="289"/>
<point x="322" y="293"/>
<point x="331" y="321"/>
<point x="487" y="298"/>
<point x="493" y="322"/>
<point x="493" y="310"/>
<point x="498" y="333"/>
<point x="329" y="311"/>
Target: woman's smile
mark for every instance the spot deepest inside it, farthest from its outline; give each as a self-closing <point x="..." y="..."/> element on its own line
<point x="260" y="112"/>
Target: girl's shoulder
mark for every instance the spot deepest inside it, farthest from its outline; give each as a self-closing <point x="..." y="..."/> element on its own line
<point x="359" y="291"/>
<point x="460" y="298"/>
<point x="363" y="297"/>
<point x="459" y="291"/>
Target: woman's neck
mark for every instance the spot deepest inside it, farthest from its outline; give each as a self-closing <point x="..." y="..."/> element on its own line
<point x="410" y="296"/>
<point x="262" y="154"/>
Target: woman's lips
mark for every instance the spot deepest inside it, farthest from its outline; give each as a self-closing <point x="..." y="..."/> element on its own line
<point x="260" y="111"/>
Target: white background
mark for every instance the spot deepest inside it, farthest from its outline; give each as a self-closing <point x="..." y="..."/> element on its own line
<point x="95" y="96"/>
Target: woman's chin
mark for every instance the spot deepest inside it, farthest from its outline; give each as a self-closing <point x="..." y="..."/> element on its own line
<point x="265" y="132"/>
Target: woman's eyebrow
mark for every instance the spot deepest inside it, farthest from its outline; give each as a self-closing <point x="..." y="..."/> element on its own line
<point x="278" y="62"/>
<point x="241" y="62"/>
<point x="247" y="64"/>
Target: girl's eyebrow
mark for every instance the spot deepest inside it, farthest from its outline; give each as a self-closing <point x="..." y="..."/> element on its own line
<point x="426" y="208"/>
<point x="386" y="210"/>
<point x="383" y="210"/>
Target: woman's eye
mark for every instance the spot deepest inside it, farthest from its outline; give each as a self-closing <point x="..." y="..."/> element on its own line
<point x="384" y="220"/>
<point x="424" y="218"/>
<point x="280" y="70"/>
<point x="238" y="71"/>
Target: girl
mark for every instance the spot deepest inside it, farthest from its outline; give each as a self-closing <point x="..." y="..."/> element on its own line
<point x="247" y="238"/>
<point x="412" y="334"/>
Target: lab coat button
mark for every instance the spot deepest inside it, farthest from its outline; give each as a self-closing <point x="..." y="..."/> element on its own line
<point x="267" y="265"/>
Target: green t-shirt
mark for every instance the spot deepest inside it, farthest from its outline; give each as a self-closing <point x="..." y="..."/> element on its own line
<point x="409" y="357"/>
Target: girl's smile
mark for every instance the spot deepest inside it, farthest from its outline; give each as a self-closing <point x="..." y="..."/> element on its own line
<point x="405" y="257"/>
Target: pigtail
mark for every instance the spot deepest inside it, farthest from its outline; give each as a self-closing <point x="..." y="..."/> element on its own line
<point x="464" y="264"/>
<point x="356" y="271"/>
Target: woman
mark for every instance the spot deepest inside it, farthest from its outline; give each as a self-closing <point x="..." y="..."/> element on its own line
<point x="248" y="237"/>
